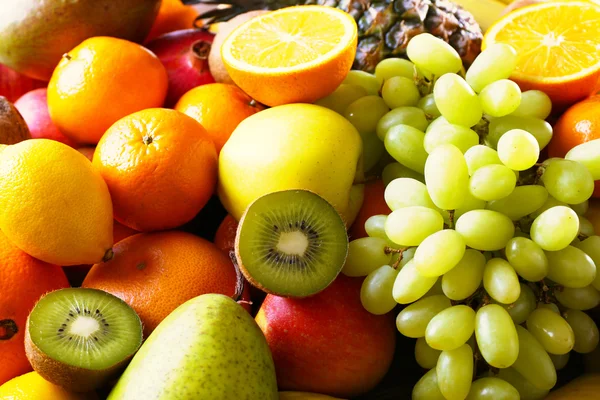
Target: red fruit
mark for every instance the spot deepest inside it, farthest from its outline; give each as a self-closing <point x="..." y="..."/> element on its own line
<point x="328" y="343"/>
<point x="225" y="235"/>
<point x="373" y="204"/>
<point x="33" y="106"/>
<point x="13" y="84"/>
<point x="184" y="54"/>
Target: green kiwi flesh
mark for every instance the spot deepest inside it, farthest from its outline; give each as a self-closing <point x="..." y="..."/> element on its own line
<point x="291" y="243"/>
<point x="80" y="338"/>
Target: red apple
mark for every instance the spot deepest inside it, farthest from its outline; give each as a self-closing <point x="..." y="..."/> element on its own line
<point x="33" y="106"/>
<point x="184" y="54"/>
<point x="328" y="343"/>
<point x="13" y="84"/>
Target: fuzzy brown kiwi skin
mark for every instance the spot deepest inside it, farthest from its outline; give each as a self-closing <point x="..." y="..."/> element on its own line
<point x="13" y="128"/>
<point x="71" y="378"/>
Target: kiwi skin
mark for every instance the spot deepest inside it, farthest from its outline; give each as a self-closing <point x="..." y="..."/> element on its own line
<point x="13" y="128"/>
<point x="67" y="376"/>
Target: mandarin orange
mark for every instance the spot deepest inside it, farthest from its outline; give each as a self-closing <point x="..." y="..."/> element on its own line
<point x="160" y="167"/>
<point x="172" y="16"/>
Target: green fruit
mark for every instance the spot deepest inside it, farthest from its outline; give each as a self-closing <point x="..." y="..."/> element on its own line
<point x="208" y="348"/>
<point x="36" y="33"/>
<point x="294" y="146"/>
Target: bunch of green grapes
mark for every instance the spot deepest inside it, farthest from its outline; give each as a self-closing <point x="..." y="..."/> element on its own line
<point x="486" y="247"/>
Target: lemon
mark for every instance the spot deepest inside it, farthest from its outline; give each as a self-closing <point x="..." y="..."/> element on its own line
<point x="32" y="386"/>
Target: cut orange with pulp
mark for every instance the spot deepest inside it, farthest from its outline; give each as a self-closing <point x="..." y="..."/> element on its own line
<point x="296" y="54"/>
<point x="558" y="44"/>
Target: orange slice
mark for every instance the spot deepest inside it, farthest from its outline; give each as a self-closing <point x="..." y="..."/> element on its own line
<point x="558" y="44"/>
<point x="294" y="55"/>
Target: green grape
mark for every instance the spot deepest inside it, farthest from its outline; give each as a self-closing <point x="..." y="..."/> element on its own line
<point x="439" y="253"/>
<point x="501" y="281"/>
<point x="447" y="177"/>
<point x="342" y="97"/>
<point x="492" y="389"/>
<point x="437" y="123"/>
<point x="535" y="104"/>
<point x="451" y="328"/>
<point x="471" y="203"/>
<point x="494" y="63"/>
<point x="549" y="306"/>
<point x="400" y="92"/>
<point x="426" y="356"/>
<point x="366" y="255"/>
<point x="455" y="372"/>
<point x="406" y="255"/>
<point x="496" y="336"/>
<point x="540" y="129"/>
<point x="523" y="201"/>
<point x="588" y="154"/>
<point x="376" y="290"/>
<point x="559" y="360"/>
<point x="551" y="330"/>
<point x="436" y="289"/>
<point x="571" y="267"/>
<point x="410" y="286"/>
<point x="412" y="321"/>
<point x="375" y="226"/>
<point x="365" y="113"/>
<point x="500" y="98"/>
<point x="411" y="116"/>
<point x="525" y="304"/>
<point x="433" y="54"/>
<point x="584" y="329"/>
<point x="409" y="226"/>
<point x="396" y="170"/>
<point x="548" y="204"/>
<point x="464" y="279"/>
<point x="492" y="182"/>
<point x="591" y="247"/>
<point x="407" y="192"/>
<point x="457" y="102"/>
<point x="391" y="67"/>
<point x="460" y="136"/>
<point x="405" y="144"/>
<point x="518" y="149"/>
<point x="373" y="149"/>
<point x="427" y="104"/>
<point x="527" y="391"/>
<point x="581" y="208"/>
<point x="368" y="81"/>
<point x="582" y="299"/>
<point x="555" y="228"/>
<point x="527" y="258"/>
<point x="586" y="228"/>
<point x="533" y="362"/>
<point x="427" y="388"/>
<point x="567" y="180"/>
<point x="485" y="229"/>
<point x="479" y="156"/>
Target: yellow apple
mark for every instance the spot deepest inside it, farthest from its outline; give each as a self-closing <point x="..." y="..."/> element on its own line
<point x="294" y="146"/>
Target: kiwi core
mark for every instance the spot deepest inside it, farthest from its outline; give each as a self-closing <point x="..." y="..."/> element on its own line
<point x="84" y="326"/>
<point x="293" y="243"/>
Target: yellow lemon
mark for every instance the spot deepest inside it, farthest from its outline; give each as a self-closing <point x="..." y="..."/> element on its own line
<point x="32" y="386"/>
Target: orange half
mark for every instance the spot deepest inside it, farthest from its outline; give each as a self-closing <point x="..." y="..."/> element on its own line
<point x="558" y="44"/>
<point x="295" y="54"/>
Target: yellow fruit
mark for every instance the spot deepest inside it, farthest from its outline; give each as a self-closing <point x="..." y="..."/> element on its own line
<point x="304" y="396"/>
<point x="295" y="146"/>
<point x="32" y="386"/>
<point x="292" y="55"/>
<point x="585" y="387"/>
<point x="53" y="204"/>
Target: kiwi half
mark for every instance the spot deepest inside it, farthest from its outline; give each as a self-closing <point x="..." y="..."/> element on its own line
<point x="291" y="243"/>
<point x="80" y="338"/>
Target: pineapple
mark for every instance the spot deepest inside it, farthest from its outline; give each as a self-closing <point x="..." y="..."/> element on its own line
<point x="384" y="26"/>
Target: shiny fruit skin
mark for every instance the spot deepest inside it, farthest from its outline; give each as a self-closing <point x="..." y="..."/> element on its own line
<point x="373" y="204"/>
<point x="172" y="15"/>
<point x="31" y="386"/>
<point x="225" y="235"/>
<point x="311" y="354"/>
<point x="14" y="85"/>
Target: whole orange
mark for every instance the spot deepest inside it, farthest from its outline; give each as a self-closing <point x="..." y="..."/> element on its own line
<point x="23" y="280"/>
<point x="373" y="204"/>
<point x="225" y="235"/>
<point x="100" y="81"/>
<point x="160" y="167"/>
<point x="219" y="107"/>
<point x="156" y="272"/>
<point x="579" y="124"/>
<point x="172" y="16"/>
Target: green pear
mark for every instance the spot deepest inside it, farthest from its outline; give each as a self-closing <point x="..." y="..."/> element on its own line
<point x="294" y="146"/>
<point x="208" y="348"/>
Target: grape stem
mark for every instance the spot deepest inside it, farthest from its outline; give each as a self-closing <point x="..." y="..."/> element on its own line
<point x="390" y="250"/>
<point x="450" y="225"/>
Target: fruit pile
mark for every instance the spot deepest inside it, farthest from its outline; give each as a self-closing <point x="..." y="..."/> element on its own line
<point x="300" y="201"/>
